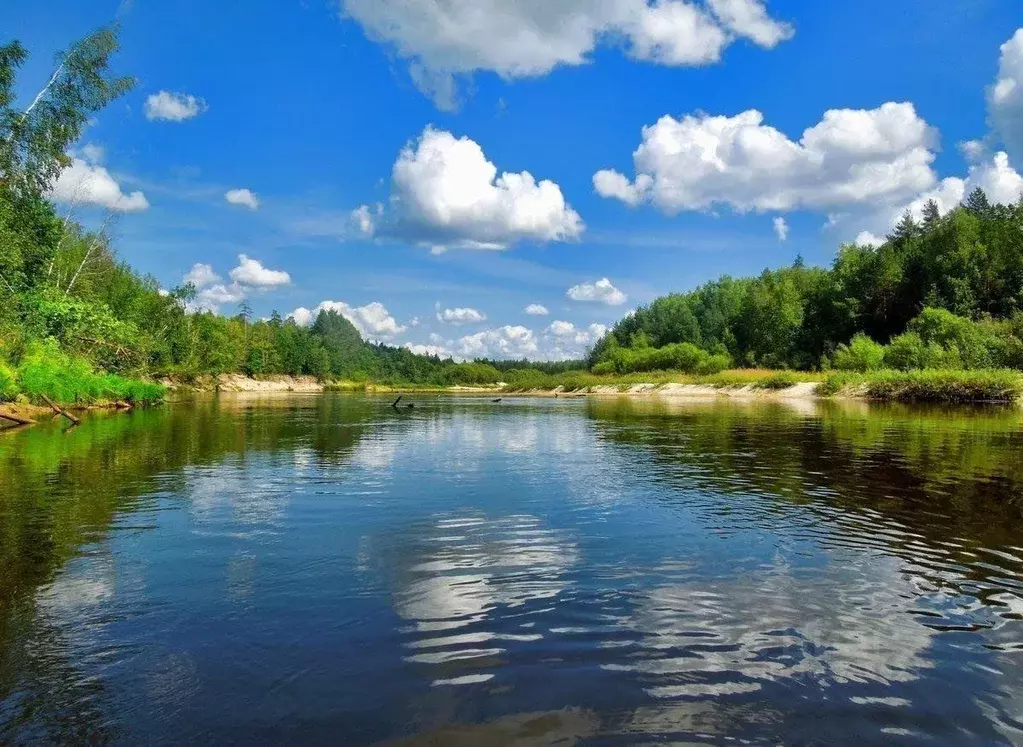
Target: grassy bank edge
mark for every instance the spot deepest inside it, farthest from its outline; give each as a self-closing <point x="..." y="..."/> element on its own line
<point x="949" y="386"/>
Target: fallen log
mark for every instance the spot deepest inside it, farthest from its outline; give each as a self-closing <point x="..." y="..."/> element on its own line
<point x="16" y="418"/>
<point x="59" y="411"/>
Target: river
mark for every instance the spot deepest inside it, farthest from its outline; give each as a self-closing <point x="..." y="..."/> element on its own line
<point x="324" y="569"/>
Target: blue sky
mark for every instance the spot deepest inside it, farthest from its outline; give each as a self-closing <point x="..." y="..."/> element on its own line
<point x="362" y="131"/>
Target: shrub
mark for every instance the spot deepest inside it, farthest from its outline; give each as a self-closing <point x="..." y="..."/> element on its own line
<point x="8" y="384"/>
<point x="955" y="334"/>
<point x="473" y="374"/>
<point x="714" y="364"/>
<point x="682" y="356"/>
<point x="45" y="370"/>
<point x="908" y="351"/>
<point x="861" y="354"/>
<point x="991" y="385"/>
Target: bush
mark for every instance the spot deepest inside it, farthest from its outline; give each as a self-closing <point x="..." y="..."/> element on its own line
<point x="714" y="364"/>
<point x="991" y="385"/>
<point x="957" y="335"/>
<point x="473" y="374"/>
<point x="45" y="370"/>
<point x="683" y="356"/>
<point x="861" y="354"/>
<point x="8" y="384"/>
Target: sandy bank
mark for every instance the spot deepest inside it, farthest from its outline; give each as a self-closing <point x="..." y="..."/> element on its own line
<point x="242" y="383"/>
<point x="804" y="390"/>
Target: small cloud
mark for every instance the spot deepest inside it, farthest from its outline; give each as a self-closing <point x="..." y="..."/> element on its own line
<point x="93" y="153"/>
<point x="781" y="229"/>
<point x="251" y="272"/>
<point x="173" y="107"/>
<point x="437" y="350"/>
<point x="600" y="292"/>
<point x="201" y="275"/>
<point x="212" y="298"/>
<point x="88" y="183"/>
<point x="244" y="197"/>
<point x="461" y="316"/>
<point x="866" y="238"/>
<point x="535" y="309"/>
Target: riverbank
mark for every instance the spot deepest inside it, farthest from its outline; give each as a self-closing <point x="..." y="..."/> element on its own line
<point x="947" y="386"/>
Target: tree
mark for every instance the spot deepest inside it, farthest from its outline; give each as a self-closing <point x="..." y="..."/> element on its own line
<point x="34" y="142"/>
<point x="977" y="203"/>
<point x="907" y="228"/>
<point x="932" y="215"/>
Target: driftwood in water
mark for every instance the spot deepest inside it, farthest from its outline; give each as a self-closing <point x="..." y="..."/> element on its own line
<point x="395" y="403"/>
<point x="16" y="418"/>
<point x="59" y="411"/>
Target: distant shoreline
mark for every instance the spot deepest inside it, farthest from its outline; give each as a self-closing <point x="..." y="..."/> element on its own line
<point x="950" y="387"/>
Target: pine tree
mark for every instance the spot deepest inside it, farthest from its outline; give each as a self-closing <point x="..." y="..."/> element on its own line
<point x="977" y="203"/>
<point x="932" y="214"/>
<point x="906" y="229"/>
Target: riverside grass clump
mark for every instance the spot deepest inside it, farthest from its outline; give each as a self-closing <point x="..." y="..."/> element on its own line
<point x="929" y="385"/>
<point x="46" y="371"/>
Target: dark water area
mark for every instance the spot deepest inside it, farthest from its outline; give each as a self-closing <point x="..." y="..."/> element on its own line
<point x="326" y="570"/>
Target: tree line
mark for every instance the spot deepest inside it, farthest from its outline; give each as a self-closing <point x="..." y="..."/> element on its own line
<point x="940" y="290"/>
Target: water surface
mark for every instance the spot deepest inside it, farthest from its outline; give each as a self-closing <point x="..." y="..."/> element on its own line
<point x="326" y="570"/>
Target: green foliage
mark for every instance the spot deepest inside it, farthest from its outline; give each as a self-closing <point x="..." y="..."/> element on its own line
<point x="967" y="264"/>
<point x="991" y="385"/>
<point x="472" y="374"/>
<point x="46" y="370"/>
<point x="34" y="141"/>
<point x="9" y="388"/>
<point x="861" y="354"/>
<point x="682" y="356"/>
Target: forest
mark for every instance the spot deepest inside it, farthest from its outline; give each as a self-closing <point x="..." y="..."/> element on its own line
<point x="79" y="325"/>
<point x="945" y="292"/>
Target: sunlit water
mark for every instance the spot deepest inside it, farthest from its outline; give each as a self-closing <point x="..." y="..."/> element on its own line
<point x="329" y="570"/>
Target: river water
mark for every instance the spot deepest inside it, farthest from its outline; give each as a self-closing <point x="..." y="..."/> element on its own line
<point x="327" y="570"/>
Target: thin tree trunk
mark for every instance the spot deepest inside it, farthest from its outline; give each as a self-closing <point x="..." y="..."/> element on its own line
<point x="16" y="418"/>
<point x="59" y="411"/>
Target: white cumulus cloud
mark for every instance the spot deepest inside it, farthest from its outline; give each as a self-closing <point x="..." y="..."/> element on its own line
<point x="579" y="336"/>
<point x="850" y="157"/>
<point x="1005" y="96"/>
<point x="602" y="291"/>
<point x="781" y="229"/>
<point x="215" y="296"/>
<point x="749" y="18"/>
<point x="536" y="309"/>
<point x="251" y="272"/>
<point x="438" y="350"/>
<point x="994" y="174"/>
<point x="373" y="320"/>
<point x="86" y="182"/>
<point x="447" y="194"/>
<point x="443" y="39"/>
<point x="243" y="197"/>
<point x="503" y="342"/>
<point x="201" y="275"/>
<point x="173" y="107"/>
<point x="461" y="316"/>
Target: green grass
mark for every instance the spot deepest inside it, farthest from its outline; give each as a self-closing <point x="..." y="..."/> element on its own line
<point x="932" y="385"/>
<point x="46" y="371"/>
<point x="950" y="386"/>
